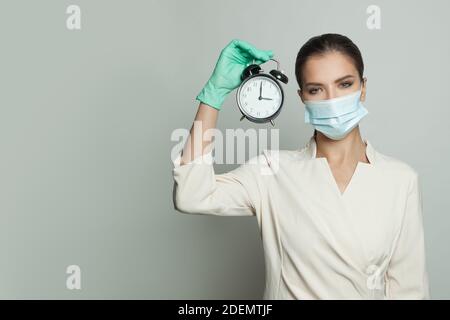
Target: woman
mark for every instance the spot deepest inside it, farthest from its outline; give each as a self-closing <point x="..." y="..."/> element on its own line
<point x="338" y="219"/>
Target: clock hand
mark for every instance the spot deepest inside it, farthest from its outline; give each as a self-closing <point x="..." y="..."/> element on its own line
<point x="266" y="98"/>
<point x="260" y="91"/>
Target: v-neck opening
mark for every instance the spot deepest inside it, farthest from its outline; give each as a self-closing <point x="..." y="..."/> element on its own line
<point x="355" y="173"/>
<point x="333" y="179"/>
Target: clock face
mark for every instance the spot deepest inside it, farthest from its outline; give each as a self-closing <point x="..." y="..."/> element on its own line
<point x="259" y="97"/>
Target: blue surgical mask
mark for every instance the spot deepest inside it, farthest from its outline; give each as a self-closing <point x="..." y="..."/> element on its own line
<point x="336" y="117"/>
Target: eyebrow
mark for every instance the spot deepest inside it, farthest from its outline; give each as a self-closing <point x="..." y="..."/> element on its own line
<point x="336" y="81"/>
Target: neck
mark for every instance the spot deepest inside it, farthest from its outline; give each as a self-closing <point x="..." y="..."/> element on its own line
<point x="350" y="149"/>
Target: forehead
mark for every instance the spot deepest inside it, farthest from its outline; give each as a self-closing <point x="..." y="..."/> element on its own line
<point x="328" y="67"/>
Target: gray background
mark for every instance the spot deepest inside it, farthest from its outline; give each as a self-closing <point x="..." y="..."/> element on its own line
<point x="85" y="125"/>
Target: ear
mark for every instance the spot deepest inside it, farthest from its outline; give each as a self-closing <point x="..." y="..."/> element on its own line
<point x="300" y="94"/>
<point x="363" y="89"/>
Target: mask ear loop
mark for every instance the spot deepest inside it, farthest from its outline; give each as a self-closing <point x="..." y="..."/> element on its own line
<point x="361" y="87"/>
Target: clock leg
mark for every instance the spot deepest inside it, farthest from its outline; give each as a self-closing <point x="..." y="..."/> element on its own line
<point x="273" y="124"/>
<point x="242" y="118"/>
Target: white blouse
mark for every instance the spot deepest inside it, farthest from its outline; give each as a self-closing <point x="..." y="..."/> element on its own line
<point x="366" y="243"/>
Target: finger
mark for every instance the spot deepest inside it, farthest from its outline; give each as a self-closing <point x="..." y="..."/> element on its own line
<point x="256" y="53"/>
<point x="269" y="53"/>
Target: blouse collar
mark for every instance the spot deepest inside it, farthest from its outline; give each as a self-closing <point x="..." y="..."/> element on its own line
<point x="311" y="149"/>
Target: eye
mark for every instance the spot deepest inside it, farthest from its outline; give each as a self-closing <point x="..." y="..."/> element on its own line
<point x="313" y="90"/>
<point x="347" y="84"/>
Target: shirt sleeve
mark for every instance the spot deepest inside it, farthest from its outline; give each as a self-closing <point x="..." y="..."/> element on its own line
<point x="407" y="275"/>
<point x="199" y="190"/>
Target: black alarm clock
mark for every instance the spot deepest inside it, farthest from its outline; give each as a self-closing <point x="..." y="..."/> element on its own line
<point x="260" y="95"/>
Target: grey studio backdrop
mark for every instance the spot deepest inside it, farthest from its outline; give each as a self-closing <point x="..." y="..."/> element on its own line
<point x="87" y="117"/>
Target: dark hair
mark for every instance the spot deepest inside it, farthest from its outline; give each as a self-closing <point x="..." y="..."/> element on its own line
<point x="324" y="43"/>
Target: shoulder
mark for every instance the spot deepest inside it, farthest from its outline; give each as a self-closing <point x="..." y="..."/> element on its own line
<point x="397" y="169"/>
<point x="393" y="163"/>
<point x="271" y="161"/>
<point x="285" y="156"/>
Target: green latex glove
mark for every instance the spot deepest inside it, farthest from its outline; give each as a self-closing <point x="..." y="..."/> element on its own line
<point x="226" y="77"/>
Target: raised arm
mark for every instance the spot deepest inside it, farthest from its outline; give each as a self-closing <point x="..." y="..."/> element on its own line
<point x="226" y="77"/>
<point x="197" y="189"/>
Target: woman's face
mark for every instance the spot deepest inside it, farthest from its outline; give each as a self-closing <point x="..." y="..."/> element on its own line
<point x="330" y="76"/>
